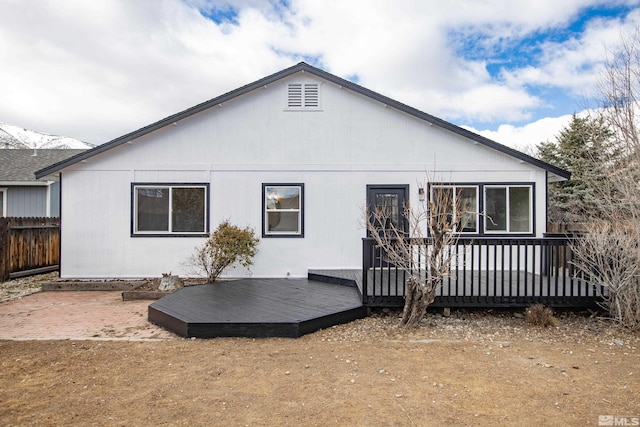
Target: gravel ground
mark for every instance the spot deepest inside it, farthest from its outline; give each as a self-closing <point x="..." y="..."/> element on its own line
<point x="482" y="367"/>
<point x="18" y="288"/>
<point x="482" y="325"/>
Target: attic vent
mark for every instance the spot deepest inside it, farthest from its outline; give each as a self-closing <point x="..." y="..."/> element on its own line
<point x="311" y="96"/>
<point x="295" y="96"/>
<point x="303" y="96"/>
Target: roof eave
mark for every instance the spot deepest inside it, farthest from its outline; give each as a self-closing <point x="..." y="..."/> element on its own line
<point x="560" y="173"/>
<point x="23" y="183"/>
<point x="170" y="120"/>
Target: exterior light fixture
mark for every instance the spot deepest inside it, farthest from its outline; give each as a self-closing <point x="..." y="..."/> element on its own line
<point x="421" y="194"/>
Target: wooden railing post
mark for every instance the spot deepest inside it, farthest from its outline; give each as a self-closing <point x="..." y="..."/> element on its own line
<point x="366" y="256"/>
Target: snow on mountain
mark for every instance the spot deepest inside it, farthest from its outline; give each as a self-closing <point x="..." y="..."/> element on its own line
<point x="17" y="137"/>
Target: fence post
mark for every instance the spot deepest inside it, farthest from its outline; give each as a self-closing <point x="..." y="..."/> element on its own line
<point x="5" y="249"/>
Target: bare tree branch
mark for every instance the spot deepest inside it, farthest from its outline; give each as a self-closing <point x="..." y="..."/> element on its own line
<point x="427" y="259"/>
<point x="609" y="253"/>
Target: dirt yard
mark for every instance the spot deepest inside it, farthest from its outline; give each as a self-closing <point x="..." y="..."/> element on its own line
<point x="479" y="368"/>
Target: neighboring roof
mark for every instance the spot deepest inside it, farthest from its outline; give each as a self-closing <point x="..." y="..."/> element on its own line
<point x="304" y="67"/>
<point x="20" y="165"/>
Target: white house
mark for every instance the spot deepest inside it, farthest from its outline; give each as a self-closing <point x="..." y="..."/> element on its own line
<point x="297" y="155"/>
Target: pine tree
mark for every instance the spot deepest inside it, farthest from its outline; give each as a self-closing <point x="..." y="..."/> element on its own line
<point x="585" y="149"/>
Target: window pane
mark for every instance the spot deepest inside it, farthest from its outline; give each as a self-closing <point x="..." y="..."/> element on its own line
<point x="153" y="209"/>
<point x="283" y="222"/>
<point x="442" y="199"/>
<point x="187" y="210"/>
<point x="519" y="209"/>
<point x="496" y="209"/>
<point x="282" y="198"/>
<point x="1" y="204"/>
<point x="387" y="205"/>
<point x="283" y="210"/>
<point x="468" y="206"/>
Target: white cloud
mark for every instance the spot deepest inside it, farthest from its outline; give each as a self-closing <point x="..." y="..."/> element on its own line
<point x="97" y="69"/>
<point x="576" y="64"/>
<point x="526" y="138"/>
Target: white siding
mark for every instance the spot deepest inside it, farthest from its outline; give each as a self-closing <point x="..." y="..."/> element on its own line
<point x="351" y="142"/>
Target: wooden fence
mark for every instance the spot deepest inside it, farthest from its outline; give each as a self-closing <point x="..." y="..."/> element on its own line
<point x="28" y="246"/>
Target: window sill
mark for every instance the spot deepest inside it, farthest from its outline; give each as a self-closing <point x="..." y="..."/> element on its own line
<point x="170" y="235"/>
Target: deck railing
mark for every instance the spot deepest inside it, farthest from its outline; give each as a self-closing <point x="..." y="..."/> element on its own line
<point x="486" y="272"/>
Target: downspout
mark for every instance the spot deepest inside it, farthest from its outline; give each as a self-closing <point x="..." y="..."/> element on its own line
<point x="546" y="203"/>
<point x="60" y="227"/>
<point x="47" y="208"/>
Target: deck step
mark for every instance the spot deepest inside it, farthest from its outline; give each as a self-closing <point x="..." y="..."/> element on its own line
<point x="334" y="277"/>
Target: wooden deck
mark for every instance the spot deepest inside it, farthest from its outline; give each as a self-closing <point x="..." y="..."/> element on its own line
<point x="294" y="307"/>
<point x="473" y="289"/>
<point x="487" y="272"/>
<point x="257" y="308"/>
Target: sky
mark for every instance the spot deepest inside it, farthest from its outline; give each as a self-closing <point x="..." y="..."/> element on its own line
<point x="511" y="70"/>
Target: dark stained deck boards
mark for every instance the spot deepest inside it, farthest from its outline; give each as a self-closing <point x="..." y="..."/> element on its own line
<point x="294" y="307"/>
<point x="347" y="277"/>
<point x="257" y="308"/>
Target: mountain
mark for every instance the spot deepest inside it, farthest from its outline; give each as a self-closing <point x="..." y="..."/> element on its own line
<point x="17" y="137"/>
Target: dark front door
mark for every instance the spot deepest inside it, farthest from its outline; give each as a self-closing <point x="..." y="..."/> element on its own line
<point x="392" y="201"/>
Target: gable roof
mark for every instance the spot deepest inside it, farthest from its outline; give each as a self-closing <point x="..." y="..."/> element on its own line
<point x="19" y="165"/>
<point x="559" y="173"/>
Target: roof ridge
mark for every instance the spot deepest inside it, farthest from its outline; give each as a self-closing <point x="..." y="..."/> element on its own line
<point x="303" y="66"/>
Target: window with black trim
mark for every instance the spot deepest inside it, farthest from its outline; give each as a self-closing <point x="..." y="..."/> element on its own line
<point x="169" y="209"/>
<point x="460" y="204"/>
<point x="508" y="208"/>
<point x="486" y="208"/>
<point x="283" y="210"/>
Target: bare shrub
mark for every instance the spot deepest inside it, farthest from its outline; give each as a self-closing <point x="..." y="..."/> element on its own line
<point x="609" y="255"/>
<point x="539" y="315"/>
<point x="405" y="249"/>
<point x="227" y="246"/>
<point x="609" y="252"/>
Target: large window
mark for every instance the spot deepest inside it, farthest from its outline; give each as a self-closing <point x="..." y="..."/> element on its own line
<point x="508" y="209"/>
<point x="459" y="203"/>
<point x="283" y="206"/>
<point x="502" y="209"/>
<point x="170" y="209"/>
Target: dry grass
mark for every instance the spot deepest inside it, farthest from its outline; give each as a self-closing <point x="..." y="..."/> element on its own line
<point x="539" y="315"/>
